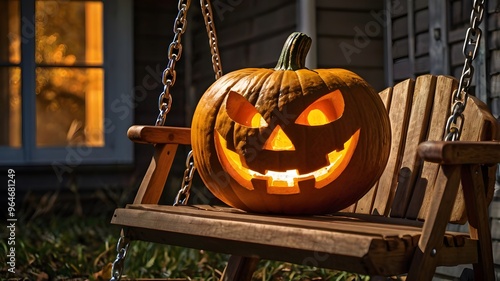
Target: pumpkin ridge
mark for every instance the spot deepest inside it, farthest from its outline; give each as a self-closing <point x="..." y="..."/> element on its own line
<point x="322" y="79"/>
<point x="304" y="89"/>
<point x="257" y="92"/>
<point x="210" y="111"/>
<point x="265" y="101"/>
<point x="259" y="77"/>
<point x="301" y="85"/>
<point x="328" y="75"/>
<point x="322" y="83"/>
<point x="280" y="89"/>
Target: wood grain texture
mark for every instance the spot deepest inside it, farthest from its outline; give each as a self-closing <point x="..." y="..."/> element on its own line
<point x="159" y="134"/>
<point x="245" y="238"/>
<point x="419" y="203"/>
<point x="479" y="125"/>
<point x="166" y="141"/>
<point x="373" y="225"/>
<point x="424" y="260"/>
<point x="460" y="152"/>
<point x="489" y="130"/>
<point x="400" y="105"/>
<point x="477" y="213"/>
<point x="410" y="166"/>
<point x="154" y="180"/>
<point x="354" y="242"/>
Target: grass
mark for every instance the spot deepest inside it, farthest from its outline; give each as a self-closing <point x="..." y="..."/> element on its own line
<point x="65" y="244"/>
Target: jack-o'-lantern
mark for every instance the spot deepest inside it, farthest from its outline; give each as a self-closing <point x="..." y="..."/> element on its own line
<point x="290" y="140"/>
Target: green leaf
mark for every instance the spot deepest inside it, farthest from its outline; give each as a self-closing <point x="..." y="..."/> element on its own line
<point x="152" y="260"/>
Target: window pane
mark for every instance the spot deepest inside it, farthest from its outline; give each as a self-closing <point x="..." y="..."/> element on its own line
<point x="9" y="32"/>
<point x="70" y="106"/>
<point x="10" y="106"/>
<point x="70" y="102"/>
<point x="69" y="32"/>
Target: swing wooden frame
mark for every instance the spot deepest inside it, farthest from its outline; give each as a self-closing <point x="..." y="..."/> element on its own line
<point x="399" y="227"/>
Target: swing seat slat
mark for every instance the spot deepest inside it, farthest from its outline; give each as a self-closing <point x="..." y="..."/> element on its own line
<point x="398" y="227"/>
<point x="341" y="241"/>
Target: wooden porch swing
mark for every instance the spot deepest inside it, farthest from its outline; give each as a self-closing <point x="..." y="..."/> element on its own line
<point x="398" y="227"/>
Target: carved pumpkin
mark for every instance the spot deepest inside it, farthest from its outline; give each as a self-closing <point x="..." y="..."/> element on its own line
<point x="290" y="140"/>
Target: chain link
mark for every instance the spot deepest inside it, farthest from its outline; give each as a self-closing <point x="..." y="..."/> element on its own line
<point x="169" y="76"/>
<point x="118" y="264"/>
<point x="206" y="10"/>
<point x="455" y="122"/>
<point x="174" y="53"/>
<point x="187" y="180"/>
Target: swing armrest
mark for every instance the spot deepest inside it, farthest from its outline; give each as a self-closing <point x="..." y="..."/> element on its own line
<point x="460" y="152"/>
<point x="166" y="141"/>
<point x="159" y="134"/>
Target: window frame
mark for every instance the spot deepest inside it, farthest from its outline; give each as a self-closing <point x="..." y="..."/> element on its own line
<point x="118" y="95"/>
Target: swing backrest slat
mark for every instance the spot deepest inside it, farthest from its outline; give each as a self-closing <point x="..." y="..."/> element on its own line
<point x="418" y="111"/>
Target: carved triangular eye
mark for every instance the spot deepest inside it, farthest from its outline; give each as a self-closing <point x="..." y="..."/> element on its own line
<point x="324" y="110"/>
<point x="243" y="112"/>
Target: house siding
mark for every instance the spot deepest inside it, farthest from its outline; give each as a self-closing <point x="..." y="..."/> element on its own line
<point x="350" y="36"/>
<point x="493" y="53"/>
<point x="250" y="34"/>
<point x="427" y="37"/>
<point x="493" y="90"/>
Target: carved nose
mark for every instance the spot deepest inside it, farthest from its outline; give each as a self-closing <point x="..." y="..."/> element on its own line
<point x="278" y="140"/>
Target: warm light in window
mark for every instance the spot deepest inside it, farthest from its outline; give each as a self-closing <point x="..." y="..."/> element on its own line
<point x="70" y="77"/>
<point x="10" y="74"/>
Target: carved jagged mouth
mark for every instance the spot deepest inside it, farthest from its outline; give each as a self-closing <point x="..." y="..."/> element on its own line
<point x="285" y="182"/>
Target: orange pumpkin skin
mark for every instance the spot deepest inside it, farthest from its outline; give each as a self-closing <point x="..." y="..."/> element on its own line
<point x="253" y="125"/>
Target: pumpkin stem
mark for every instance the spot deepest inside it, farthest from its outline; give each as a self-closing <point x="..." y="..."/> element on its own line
<point x="293" y="55"/>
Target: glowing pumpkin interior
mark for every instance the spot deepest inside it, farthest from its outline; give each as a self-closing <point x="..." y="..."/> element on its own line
<point x="323" y="111"/>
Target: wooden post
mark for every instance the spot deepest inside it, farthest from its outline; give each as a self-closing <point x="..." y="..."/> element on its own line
<point x="479" y="226"/>
<point x="239" y="268"/>
<point x="425" y="258"/>
<point x="154" y="180"/>
<point x="438" y="37"/>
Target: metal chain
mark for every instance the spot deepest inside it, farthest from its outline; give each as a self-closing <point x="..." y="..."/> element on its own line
<point x="206" y="10"/>
<point x="174" y="54"/>
<point x="471" y="45"/>
<point x="118" y="264"/>
<point x="187" y="180"/>
<point x="164" y="105"/>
